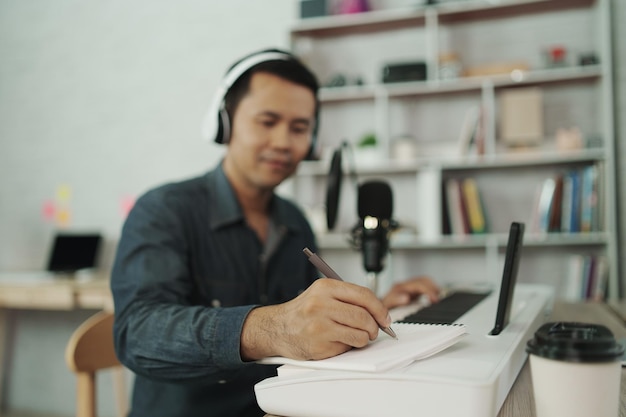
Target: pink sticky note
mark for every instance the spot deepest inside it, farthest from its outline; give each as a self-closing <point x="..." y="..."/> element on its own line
<point x="48" y="210"/>
<point x="126" y="204"/>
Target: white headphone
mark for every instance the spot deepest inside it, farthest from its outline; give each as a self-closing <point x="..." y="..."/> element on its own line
<point x="216" y="123"/>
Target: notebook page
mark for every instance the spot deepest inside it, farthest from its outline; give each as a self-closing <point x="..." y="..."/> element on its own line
<point x="415" y="342"/>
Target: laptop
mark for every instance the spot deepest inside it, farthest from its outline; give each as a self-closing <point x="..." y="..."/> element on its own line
<point x="471" y="378"/>
<point x="69" y="253"/>
<point x="73" y="252"/>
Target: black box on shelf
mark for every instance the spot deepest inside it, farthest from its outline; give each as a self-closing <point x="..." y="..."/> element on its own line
<point x="312" y="8"/>
<point x="407" y="71"/>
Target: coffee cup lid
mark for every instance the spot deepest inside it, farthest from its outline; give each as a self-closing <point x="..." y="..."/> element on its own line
<point x="575" y="342"/>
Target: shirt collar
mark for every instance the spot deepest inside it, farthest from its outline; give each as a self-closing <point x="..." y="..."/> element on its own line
<point x="224" y="209"/>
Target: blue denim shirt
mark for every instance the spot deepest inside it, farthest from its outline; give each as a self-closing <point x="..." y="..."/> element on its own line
<point x="187" y="272"/>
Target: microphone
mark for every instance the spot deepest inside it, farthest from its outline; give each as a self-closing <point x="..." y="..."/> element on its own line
<point x="371" y="234"/>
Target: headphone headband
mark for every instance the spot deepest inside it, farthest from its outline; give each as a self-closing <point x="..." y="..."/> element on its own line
<point x="216" y="123"/>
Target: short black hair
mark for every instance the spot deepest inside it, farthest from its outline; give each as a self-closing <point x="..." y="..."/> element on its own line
<point x="292" y="70"/>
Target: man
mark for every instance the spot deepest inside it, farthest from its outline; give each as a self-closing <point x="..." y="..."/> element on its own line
<point x="209" y="275"/>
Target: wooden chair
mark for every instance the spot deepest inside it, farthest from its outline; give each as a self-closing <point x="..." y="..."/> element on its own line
<point x="89" y="350"/>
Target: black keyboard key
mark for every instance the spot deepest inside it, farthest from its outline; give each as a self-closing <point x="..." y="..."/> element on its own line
<point x="447" y="310"/>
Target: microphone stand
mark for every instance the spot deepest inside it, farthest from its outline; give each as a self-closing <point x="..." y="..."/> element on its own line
<point x="372" y="282"/>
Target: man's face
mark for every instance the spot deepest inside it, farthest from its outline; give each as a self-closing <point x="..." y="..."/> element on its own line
<point x="271" y="132"/>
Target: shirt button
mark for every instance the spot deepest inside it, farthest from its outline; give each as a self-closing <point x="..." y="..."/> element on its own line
<point x="221" y="381"/>
<point x="216" y="303"/>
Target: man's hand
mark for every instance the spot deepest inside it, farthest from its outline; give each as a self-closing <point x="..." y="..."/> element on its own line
<point x="329" y="318"/>
<point x="405" y="292"/>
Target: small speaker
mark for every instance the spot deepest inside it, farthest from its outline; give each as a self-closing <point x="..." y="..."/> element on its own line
<point x="403" y="72"/>
<point x="312" y="8"/>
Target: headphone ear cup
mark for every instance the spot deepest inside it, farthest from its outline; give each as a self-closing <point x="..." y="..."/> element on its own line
<point x="223" y="127"/>
<point x="218" y="129"/>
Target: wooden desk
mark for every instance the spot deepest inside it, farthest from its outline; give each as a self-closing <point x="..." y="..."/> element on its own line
<point x="619" y="308"/>
<point x="57" y="294"/>
<point x="521" y="402"/>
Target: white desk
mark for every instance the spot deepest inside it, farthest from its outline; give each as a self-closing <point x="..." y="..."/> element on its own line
<point x="521" y="401"/>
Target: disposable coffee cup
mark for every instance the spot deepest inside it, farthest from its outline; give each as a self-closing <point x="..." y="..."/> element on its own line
<point x="576" y="370"/>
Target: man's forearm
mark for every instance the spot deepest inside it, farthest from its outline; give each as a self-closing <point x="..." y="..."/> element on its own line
<point x="261" y="334"/>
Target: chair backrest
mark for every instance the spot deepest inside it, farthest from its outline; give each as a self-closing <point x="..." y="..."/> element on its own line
<point x="89" y="350"/>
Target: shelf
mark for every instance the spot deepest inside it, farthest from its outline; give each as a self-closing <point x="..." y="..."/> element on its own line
<point x="410" y="241"/>
<point x="566" y="239"/>
<point x="349" y="23"/>
<point x="461" y="85"/>
<point x="526" y="159"/>
<point x="437" y="112"/>
<point x="497" y="9"/>
<point x="380" y="20"/>
<point x="385" y="167"/>
<point x="503" y="161"/>
<point x="500" y="240"/>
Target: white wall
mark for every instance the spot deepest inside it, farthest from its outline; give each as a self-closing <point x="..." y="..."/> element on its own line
<point x="107" y="98"/>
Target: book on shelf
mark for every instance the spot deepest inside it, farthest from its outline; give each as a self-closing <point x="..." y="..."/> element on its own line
<point x="446" y="226"/>
<point x="477" y="144"/>
<point x="566" y="204"/>
<point x="570" y="202"/>
<point x="586" y="278"/>
<point x="543" y="206"/>
<point x="475" y="209"/>
<point x="572" y="280"/>
<point x="600" y="279"/>
<point x="587" y="275"/>
<point x="589" y="199"/>
<point x="467" y="134"/>
<point x="570" y="206"/>
<point x="554" y="215"/>
<point x="463" y="208"/>
<point x="465" y="211"/>
<point x="455" y="207"/>
<point x="471" y="141"/>
<point x="600" y="196"/>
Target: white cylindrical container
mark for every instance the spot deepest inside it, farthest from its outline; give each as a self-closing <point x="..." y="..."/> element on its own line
<point x="576" y="370"/>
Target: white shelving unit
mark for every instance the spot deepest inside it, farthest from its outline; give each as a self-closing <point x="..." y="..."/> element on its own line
<point x="431" y="111"/>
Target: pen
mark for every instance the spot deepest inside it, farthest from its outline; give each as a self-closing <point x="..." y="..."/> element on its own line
<point x="325" y="269"/>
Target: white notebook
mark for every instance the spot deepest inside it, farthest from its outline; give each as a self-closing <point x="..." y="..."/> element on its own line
<point x="415" y="342"/>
